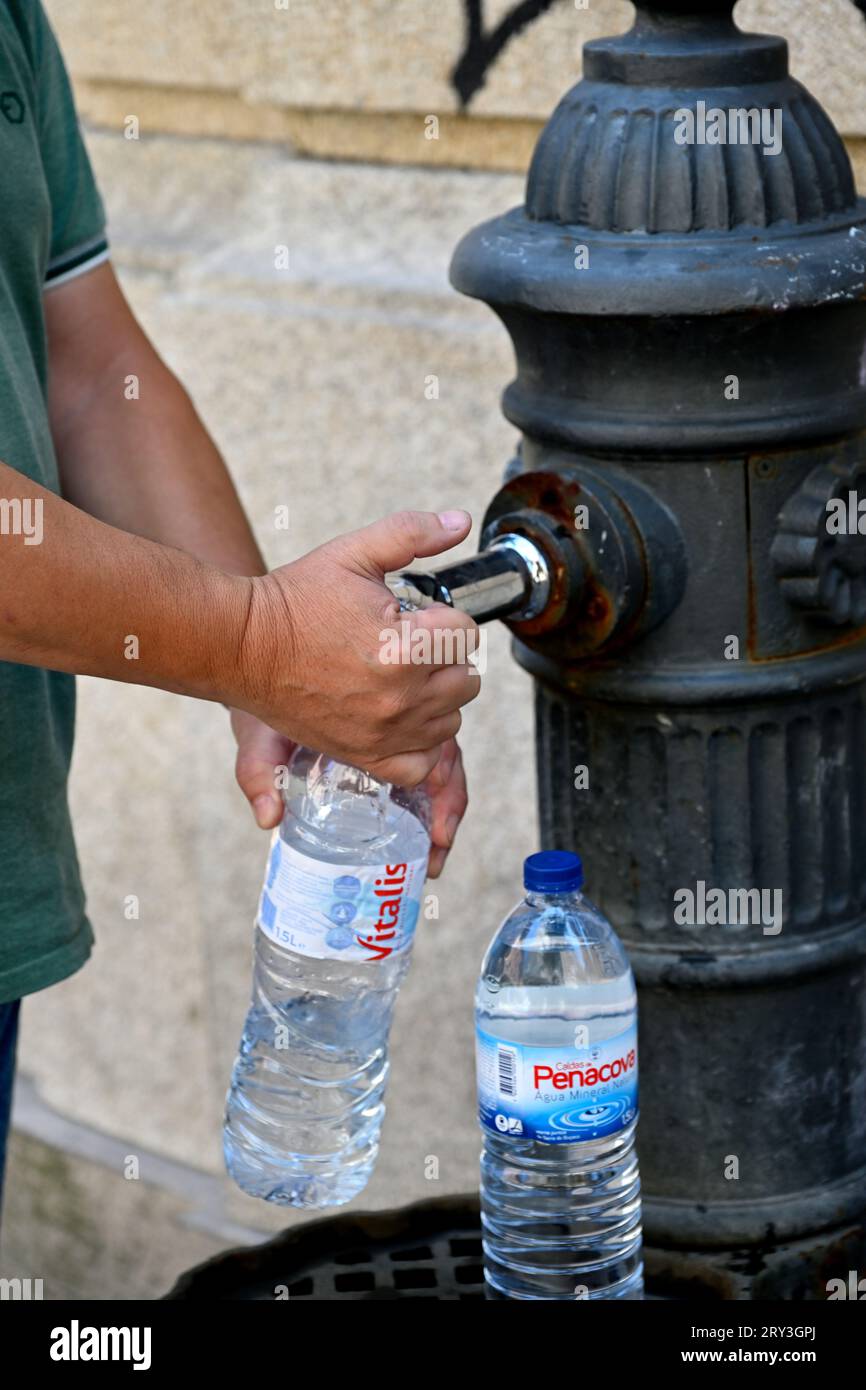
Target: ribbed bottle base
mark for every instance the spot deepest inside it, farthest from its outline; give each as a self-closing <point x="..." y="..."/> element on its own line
<point x="294" y="1184"/>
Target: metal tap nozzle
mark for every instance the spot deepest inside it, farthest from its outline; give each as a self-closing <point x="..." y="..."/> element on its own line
<point x="511" y="578"/>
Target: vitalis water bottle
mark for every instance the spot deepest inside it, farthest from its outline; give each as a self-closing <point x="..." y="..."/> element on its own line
<point x="336" y="922"/>
<point x="556" y="1017"/>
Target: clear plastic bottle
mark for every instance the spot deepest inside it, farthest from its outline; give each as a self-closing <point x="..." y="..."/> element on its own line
<point x="336" y="922"/>
<point x="556" y="1020"/>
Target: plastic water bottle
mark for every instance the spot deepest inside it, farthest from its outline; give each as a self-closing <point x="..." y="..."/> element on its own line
<point x="336" y="921"/>
<point x="556" y="1019"/>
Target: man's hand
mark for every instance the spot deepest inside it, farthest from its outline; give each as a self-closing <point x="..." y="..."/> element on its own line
<point x="312" y="661"/>
<point x="261" y="751"/>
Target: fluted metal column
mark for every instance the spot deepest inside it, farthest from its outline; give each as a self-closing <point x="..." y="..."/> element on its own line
<point x="689" y="324"/>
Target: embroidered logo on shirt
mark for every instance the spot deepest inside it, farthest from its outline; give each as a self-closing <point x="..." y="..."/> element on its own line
<point x="12" y="107"/>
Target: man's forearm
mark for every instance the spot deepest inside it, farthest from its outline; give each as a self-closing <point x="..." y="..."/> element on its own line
<point x="91" y="599"/>
<point x="145" y="464"/>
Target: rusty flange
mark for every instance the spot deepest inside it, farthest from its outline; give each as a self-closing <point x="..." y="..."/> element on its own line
<point x="604" y="587"/>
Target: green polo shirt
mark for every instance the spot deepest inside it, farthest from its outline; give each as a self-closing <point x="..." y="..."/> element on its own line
<point x="52" y="227"/>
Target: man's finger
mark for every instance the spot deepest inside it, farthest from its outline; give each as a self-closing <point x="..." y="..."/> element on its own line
<point x="442" y="636"/>
<point x="449" y="805"/>
<point x="406" y="769"/>
<point x="442" y="771"/>
<point x="449" y="688"/>
<point x="260" y="752"/>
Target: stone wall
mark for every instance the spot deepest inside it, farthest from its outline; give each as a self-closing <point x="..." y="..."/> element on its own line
<point x="355" y="79"/>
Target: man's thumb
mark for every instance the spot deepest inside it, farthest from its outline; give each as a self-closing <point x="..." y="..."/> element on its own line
<point x="397" y="540"/>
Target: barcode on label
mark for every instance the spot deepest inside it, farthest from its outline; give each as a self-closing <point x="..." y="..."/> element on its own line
<point x="507" y="1062"/>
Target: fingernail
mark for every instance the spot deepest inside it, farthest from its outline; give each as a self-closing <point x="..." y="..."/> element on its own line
<point x="451" y="828"/>
<point x="454" y="521"/>
<point x="264" y="807"/>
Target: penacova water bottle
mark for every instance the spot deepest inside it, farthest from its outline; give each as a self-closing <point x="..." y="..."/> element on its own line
<point x="556" y="1019"/>
<point x="336" y="921"/>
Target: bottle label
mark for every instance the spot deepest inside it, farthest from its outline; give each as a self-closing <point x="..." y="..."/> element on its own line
<point x="339" y="912"/>
<point x="557" y="1095"/>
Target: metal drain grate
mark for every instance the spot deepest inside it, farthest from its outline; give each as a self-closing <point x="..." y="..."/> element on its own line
<point x="448" y="1267"/>
<point x="430" y="1250"/>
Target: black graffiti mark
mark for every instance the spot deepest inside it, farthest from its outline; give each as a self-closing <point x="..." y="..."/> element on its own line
<point x="481" y="49"/>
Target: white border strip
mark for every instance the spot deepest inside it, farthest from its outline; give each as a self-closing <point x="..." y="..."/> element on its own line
<point x="77" y="270"/>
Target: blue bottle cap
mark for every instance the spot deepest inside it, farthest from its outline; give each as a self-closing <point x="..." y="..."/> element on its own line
<point x="553" y="871"/>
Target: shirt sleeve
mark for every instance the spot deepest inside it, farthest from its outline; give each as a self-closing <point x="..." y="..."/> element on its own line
<point x="78" y="222"/>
